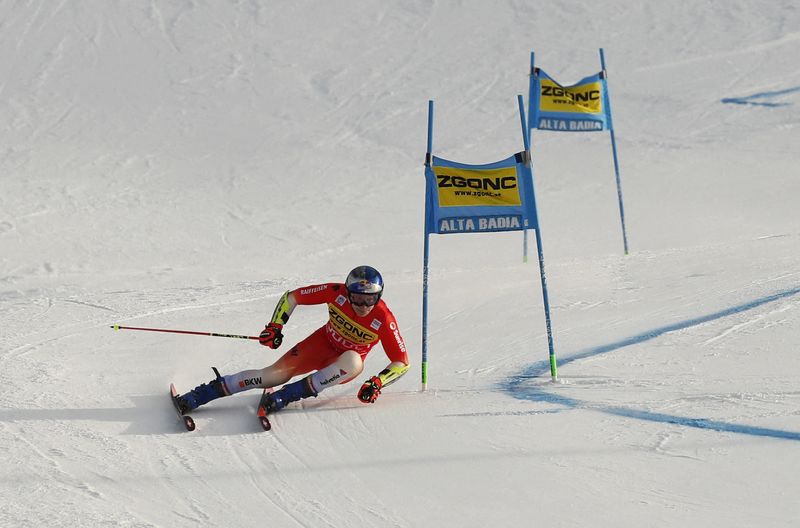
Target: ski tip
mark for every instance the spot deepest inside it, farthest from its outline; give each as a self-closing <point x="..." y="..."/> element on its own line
<point x="115" y="327"/>
<point x="188" y="423"/>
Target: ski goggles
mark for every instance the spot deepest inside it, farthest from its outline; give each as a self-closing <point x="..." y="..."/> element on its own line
<point x="364" y="299"/>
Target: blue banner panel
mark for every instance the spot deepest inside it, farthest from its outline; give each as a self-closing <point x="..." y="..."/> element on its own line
<point x="581" y="107"/>
<point x="462" y="198"/>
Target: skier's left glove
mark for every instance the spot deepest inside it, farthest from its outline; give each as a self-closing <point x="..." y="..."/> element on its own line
<point x="370" y="390"/>
<point x="271" y="336"/>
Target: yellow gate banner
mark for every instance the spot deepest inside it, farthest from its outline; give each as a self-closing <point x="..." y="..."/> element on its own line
<point x="477" y="187"/>
<point x="582" y="99"/>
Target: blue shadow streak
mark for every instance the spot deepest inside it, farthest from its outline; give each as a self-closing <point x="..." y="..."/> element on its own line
<point x="761" y="95"/>
<point x="518" y="388"/>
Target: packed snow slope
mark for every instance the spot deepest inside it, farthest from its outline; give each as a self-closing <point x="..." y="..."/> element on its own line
<point x="181" y="164"/>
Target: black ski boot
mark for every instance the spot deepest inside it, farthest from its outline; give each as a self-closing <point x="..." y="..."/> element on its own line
<point x="202" y="394"/>
<point x="275" y="401"/>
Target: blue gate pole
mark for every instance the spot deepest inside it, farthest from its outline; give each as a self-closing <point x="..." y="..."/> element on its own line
<point x="425" y="258"/>
<point x="525" y="246"/>
<point x="525" y="140"/>
<point x="614" y="152"/>
<point x="528" y="128"/>
<point x="425" y="313"/>
<point x="539" y="250"/>
<point x="527" y="149"/>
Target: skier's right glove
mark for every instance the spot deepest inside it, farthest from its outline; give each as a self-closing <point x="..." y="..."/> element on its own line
<point x="271" y="336"/>
<point x="370" y="390"/>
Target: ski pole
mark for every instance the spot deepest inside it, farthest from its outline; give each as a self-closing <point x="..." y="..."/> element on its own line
<point x="209" y="334"/>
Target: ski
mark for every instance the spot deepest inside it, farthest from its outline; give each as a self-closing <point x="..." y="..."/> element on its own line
<point x="185" y="418"/>
<point x="261" y="412"/>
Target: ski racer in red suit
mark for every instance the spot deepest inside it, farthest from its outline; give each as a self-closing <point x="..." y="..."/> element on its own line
<point x="334" y="354"/>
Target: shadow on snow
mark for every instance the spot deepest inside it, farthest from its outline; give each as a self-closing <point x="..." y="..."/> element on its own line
<point x="758" y="99"/>
<point x="517" y="387"/>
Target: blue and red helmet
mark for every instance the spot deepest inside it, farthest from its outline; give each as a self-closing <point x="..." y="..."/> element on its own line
<point x="365" y="280"/>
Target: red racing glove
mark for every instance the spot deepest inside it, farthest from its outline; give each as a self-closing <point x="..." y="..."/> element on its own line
<point x="271" y="336"/>
<point x="370" y="390"/>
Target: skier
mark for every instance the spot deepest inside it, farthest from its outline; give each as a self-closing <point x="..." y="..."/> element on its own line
<point x="334" y="354"/>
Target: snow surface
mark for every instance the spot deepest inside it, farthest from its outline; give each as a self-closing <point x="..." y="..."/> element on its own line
<point x="180" y="164"/>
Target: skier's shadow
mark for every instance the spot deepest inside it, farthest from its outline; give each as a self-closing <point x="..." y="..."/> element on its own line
<point x="153" y="414"/>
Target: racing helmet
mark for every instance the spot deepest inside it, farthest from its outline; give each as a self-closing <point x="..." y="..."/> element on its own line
<point x="365" y="280"/>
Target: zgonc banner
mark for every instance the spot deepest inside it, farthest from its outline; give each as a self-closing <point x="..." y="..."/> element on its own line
<point x="464" y="198"/>
<point x="581" y="107"/>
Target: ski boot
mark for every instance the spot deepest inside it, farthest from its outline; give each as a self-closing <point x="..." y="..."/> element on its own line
<point x="275" y="401"/>
<point x="202" y="394"/>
